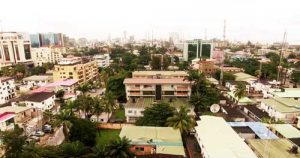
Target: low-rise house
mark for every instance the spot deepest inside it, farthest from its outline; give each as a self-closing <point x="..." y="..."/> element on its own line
<point x="22" y="113"/>
<point x="7" y="121"/>
<point x="233" y="114"/>
<point x="67" y="85"/>
<point x="38" y="80"/>
<point x="241" y="76"/>
<point x="147" y="140"/>
<point x="285" y="131"/>
<point x="231" y="85"/>
<point x="217" y="139"/>
<point x="293" y="93"/>
<point x="231" y="69"/>
<point x="7" y="89"/>
<point x="39" y="101"/>
<point x="283" y="109"/>
<point x="239" y="101"/>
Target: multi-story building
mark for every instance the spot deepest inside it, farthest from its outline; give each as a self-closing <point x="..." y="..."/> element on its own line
<point x="37" y="80"/>
<point x="81" y="69"/>
<point x="47" y="39"/>
<point x="197" y="49"/>
<point x="7" y="89"/>
<point x="14" y="48"/>
<point x="44" y="55"/>
<point x="149" y="87"/>
<point x="102" y="60"/>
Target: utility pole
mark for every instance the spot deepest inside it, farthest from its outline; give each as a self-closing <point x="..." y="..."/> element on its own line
<point x="280" y="61"/>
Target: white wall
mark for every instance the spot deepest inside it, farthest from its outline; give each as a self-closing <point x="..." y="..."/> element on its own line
<point x="7" y="88"/>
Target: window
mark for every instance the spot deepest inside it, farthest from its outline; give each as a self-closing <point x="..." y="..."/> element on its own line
<point x="129" y="111"/>
<point x="70" y="73"/>
<point x="139" y="149"/>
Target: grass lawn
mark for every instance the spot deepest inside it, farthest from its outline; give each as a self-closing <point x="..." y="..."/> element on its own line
<point x="120" y="114"/>
<point x="107" y="135"/>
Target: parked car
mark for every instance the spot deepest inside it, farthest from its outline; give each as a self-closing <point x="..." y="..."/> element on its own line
<point x="32" y="139"/>
<point x="47" y="128"/>
<point x="38" y="133"/>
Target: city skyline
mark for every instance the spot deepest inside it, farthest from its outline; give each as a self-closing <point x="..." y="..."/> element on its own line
<point x="257" y="21"/>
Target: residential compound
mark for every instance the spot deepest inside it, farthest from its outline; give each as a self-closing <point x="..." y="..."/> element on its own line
<point x="148" y="87"/>
<point x="43" y="55"/>
<point x="81" y="69"/>
<point x="7" y="89"/>
<point x="14" y="49"/>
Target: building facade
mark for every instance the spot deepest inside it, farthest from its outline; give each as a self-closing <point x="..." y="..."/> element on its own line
<point x="81" y="69"/>
<point x="7" y="89"/>
<point x="43" y="55"/>
<point x="102" y="60"/>
<point x="47" y="39"/>
<point x="14" y="48"/>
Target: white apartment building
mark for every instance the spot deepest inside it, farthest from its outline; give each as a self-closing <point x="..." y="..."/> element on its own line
<point x="14" y="48"/>
<point x="39" y="101"/>
<point x="44" y="55"/>
<point x="103" y="60"/>
<point x="7" y="89"/>
<point x="38" y="80"/>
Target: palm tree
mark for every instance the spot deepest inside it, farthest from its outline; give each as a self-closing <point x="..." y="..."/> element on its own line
<point x="240" y="91"/>
<point x="85" y="104"/>
<point x="63" y="118"/>
<point x="119" y="148"/>
<point x="47" y="116"/>
<point x="181" y="120"/>
<point x="97" y="107"/>
<point x="109" y="103"/>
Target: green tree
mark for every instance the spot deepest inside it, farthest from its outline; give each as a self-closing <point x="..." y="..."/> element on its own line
<point x="38" y="70"/>
<point x="181" y="120"/>
<point x="116" y="87"/>
<point x="226" y="76"/>
<point x="98" y="108"/>
<point x="119" y="148"/>
<point x="73" y="149"/>
<point x="14" y="142"/>
<point x="156" y="115"/>
<point x="85" y="87"/>
<point x="85" y="103"/>
<point x="84" y="131"/>
<point x="63" y="118"/>
<point x="109" y="103"/>
<point x="295" y="77"/>
<point x="156" y="62"/>
<point x="240" y="91"/>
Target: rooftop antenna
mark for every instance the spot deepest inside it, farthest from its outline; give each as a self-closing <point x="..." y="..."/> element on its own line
<point x="281" y="55"/>
<point x="224" y="31"/>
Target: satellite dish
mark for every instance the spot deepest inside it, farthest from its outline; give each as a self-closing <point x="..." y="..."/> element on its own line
<point x="215" y="108"/>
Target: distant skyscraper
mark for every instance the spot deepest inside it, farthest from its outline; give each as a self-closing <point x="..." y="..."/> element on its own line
<point x="197" y="49"/>
<point x="47" y="39"/>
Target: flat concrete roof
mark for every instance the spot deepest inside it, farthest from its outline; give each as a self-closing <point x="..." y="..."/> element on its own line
<point x="38" y="78"/>
<point x="283" y="105"/>
<point x="166" y="139"/>
<point x="177" y="73"/>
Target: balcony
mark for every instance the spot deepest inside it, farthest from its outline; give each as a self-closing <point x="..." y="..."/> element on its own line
<point x="182" y="94"/>
<point x="134" y="88"/>
<point x="134" y="93"/>
<point x="182" y="89"/>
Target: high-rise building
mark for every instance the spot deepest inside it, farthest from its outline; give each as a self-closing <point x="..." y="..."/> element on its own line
<point x="47" y="39"/>
<point x="197" y="49"/>
<point x="14" y="49"/>
<point x="44" y="55"/>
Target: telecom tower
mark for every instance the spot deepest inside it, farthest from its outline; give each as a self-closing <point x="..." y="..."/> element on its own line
<point x="224" y="42"/>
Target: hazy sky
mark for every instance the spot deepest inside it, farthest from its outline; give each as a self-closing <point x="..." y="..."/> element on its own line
<point x="255" y="20"/>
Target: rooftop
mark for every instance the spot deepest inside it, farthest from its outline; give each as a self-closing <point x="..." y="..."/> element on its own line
<point x="241" y="76"/>
<point x="177" y="73"/>
<point x="220" y="140"/>
<point x="148" y="102"/>
<point x="259" y="129"/>
<point x="272" y="148"/>
<point x="288" y="93"/>
<point x="166" y="139"/>
<point x="36" y="97"/>
<point x="287" y="130"/>
<point x="155" y="81"/>
<point x="284" y="105"/>
<point x="6" y="116"/>
<point x="38" y="78"/>
<point x="14" y="109"/>
<point x="233" y="112"/>
<point x="257" y="112"/>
